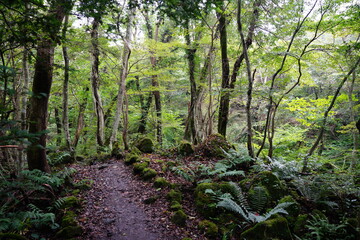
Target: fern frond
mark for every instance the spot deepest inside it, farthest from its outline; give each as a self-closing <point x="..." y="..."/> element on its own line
<point x="239" y="195"/>
<point x="230" y="205"/>
<point x="280" y="208"/>
<point x="258" y="198"/>
<point x="232" y="173"/>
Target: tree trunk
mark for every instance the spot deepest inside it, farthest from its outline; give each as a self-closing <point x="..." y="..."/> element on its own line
<point x="36" y="153"/>
<point x="224" y="95"/>
<point x="190" y="131"/>
<point x="80" y="120"/>
<point x="65" y="105"/>
<point x="122" y="84"/>
<point x="58" y="126"/>
<point x="95" y="83"/>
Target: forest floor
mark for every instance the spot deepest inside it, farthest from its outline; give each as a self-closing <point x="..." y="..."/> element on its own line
<point x="114" y="207"/>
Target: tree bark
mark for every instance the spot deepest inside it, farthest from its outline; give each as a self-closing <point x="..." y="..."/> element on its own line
<point x="122" y="84"/>
<point x="65" y="104"/>
<point x="95" y="83"/>
<point x="36" y="153"/>
<point x="58" y="126"/>
<point x="224" y="108"/>
<point x="80" y="119"/>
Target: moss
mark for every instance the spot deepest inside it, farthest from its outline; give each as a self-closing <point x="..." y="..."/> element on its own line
<point x="276" y="228"/>
<point x="214" y="146"/>
<point x="69" y="219"/>
<point x="69" y="232"/>
<point x="175" y="206"/>
<point x="294" y="209"/>
<point x="211" y="229"/>
<point x="135" y="151"/>
<point x="151" y="200"/>
<point x="160" y="182"/>
<point x="272" y="183"/>
<point x="131" y="158"/>
<point x="174" y="195"/>
<point x="145" y="145"/>
<point x="186" y="238"/>
<point x="139" y="167"/>
<point x="185" y="148"/>
<point x="71" y="201"/>
<point x="299" y="225"/>
<point x="148" y="173"/>
<point x="11" y="236"/>
<point x="205" y="204"/>
<point x="117" y="153"/>
<point x="75" y="191"/>
<point x="179" y="218"/>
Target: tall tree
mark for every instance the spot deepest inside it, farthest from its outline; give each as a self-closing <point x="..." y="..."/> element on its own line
<point x="36" y="153"/>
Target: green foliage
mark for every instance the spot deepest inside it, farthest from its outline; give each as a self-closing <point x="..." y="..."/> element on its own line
<point x="321" y="229"/>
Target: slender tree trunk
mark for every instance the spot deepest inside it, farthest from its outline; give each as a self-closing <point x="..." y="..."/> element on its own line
<point x="355" y="134"/>
<point x="58" y="126"/>
<point x="224" y="108"/>
<point x="144" y="114"/>
<point x="126" y="121"/>
<point x="122" y="84"/>
<point x="41" y="88"/>
<point x="80" y="119"/>
<point x="324" y="121"/>
<point x="95" y="83"/>
<point x="65" y="104"/>
<point x="190" y="131"/>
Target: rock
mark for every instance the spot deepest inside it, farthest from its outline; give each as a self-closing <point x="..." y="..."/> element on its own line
<point x="204" y="202"/>
<point x="179" y="218"/>
<point x="148" y="173"/>
<point x="117" y="153"/>
<point x="145" y="145"/>
<point x="294" y="209"/>
<point x="175" y="206"/>
<point x="299" y="225"/>
<point x="131" y="158"/>
<point x="214" y="146"/>
<point x="139" y="167"/>
<point x="69" y="232"/>
<point x="211" y="229"/>
<point x="71" y="202"/>
<point x="174" y="195"/>
<point x="276" y="228"/>
<point x="185" y="148"/>
<point x="69" y="219"/>
<point x="151" y="200"/>
<point x="160" y="182"/>
<point x="272" y="183"/>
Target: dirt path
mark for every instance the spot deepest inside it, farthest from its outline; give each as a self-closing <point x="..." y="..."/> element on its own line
<point x="114" y="208"/>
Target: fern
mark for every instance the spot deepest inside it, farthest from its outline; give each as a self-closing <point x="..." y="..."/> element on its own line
<point x="258" y="198"/>
<point x="232" y="173"/>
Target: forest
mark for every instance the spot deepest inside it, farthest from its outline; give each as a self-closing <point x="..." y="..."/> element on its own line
<point x="200" y="119"/>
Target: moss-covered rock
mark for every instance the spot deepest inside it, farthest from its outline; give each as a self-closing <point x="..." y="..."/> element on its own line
<point x="131" y="158"/>
<point x="69" y="232"/>
<point x="294" y="209"/>
<point x="175" y="206"/>
<point x="117" y="153"/>
<point x="11" y="236"/>
<point x="185" y="148"/>
<point x="276" y="228"/>
<point x="145" y="145"/>
<point x="179" y="218"/>
<point x="71" y="201"/>
<point x="299" y="225"/>
<point x="211" y="229"/>
<point x="204" y="202"/>
<point x="139" y="167"/>
<point x="151" y="200"/>
<point x="214" y="146"/>
<point x="272" y="183"/>
<point x="69" y="219"/>
<point x="148" y="173"/>
<point x="174" y="195"/>
<point x="160" y="182"/>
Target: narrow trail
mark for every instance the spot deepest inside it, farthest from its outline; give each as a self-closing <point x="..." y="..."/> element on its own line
<point x="114" y="209"/>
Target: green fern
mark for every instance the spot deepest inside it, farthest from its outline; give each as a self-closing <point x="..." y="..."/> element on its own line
<point x="258" y="198"/>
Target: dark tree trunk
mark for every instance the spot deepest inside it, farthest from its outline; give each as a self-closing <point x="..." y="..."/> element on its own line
<point x="225" y="95"/>
<point x="36" y="153"/>
<point x="80" y="120"/>
<point x="58" y="126"/>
